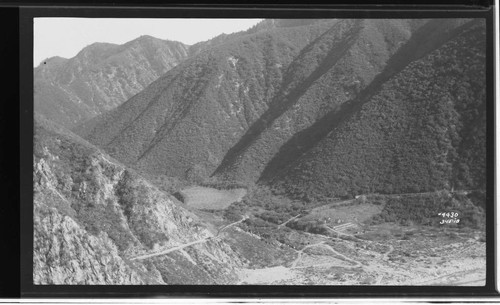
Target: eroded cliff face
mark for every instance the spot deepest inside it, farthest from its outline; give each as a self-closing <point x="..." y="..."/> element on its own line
<point x="93" y="218"/>
<point x="67" y="254"/>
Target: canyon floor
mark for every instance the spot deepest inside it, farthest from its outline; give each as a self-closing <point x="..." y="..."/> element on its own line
<point x="359" y="254"/>
<point x="327" y="263"/>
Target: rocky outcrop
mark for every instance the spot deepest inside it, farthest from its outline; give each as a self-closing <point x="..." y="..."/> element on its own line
<point x="93" y="216"/>
<point x="66" y="254"/>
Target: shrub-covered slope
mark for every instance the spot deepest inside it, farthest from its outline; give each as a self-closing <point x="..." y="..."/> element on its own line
<point x="187" y="120"/>
<point x="327" y="73"/>
<point x="422" y="129"/>
<point x="322" y="108"/>
<point x="101" y="77"/>
<point x="229" y="108"/>
<point x="92" y="216"/>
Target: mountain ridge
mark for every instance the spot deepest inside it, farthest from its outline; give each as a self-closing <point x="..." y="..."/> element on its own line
<point x="100" y="77"/>
<point x="438" y="177"/>
<point x="295" y="152"/>
<point x="242" y="110"/>
<point x="227" y="84"/>
<point x="401" y="56"/>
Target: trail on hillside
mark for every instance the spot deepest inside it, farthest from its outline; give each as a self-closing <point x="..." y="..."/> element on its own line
<point x="283" y="224"/>
<point x="171" y="249"/>
<point x="180" y="247"/>
<point x="232" y="224"/>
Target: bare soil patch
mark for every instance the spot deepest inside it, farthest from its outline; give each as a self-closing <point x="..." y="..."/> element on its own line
<point x="206" y="198"/>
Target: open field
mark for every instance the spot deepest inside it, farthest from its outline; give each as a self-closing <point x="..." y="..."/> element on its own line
<point x="334" y="214"/>
<point x="206" y="198"/>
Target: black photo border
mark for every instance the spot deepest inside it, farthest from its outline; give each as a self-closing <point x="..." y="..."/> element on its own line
<point x="478" y="9"/>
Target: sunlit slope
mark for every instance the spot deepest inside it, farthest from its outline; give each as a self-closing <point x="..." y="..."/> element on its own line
<point x="100" y="77"/>
<point x="189" y="118"/>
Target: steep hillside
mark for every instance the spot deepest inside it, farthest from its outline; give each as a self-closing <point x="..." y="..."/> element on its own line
<point x="265" y="25"/>
<point x="304" y="152"/>
<point x="101" y="77"/>
<point x="188" y="119"/>
<point x="329" y="72"/>
<point x="94" y="218"/>
<point x="421" y="129"/>
<point x="316" y="107"/>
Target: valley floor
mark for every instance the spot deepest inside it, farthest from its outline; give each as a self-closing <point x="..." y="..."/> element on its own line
<point x="357" y="254"/>
<point x="334" y="261"/>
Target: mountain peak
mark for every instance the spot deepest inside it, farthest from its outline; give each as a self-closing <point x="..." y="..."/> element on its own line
<point x="99" y="45"/>
<point x="77" y="89"/>
<point x="268" y="24"/>
<point x="97" y="50"/>
<point x="145" y="38"/>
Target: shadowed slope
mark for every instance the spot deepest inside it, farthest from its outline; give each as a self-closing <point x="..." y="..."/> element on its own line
<point x="354" y="149"/>
<point x="191" y="116"/>
<point x="429" y="37"/>
<point x="295" y="85"/>
<point x="327" y="73"/>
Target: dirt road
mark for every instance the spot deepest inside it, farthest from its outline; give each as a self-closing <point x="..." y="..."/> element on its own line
<point x="231" y="224"/>
<point x="170" y="250"/>
<point x="279" y="226"/>
<point x="323" y="244"/>
<point x="180" y="247"/>
<point x="294" y="263"/>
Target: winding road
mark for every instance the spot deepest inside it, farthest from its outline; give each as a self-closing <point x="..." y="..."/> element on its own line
<point x="170" y="249"/>
<point x="245" y="217"/>
<point x="180" y="247"/>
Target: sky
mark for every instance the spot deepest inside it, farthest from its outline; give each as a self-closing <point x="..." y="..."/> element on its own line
<point x="65" y="37"/>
